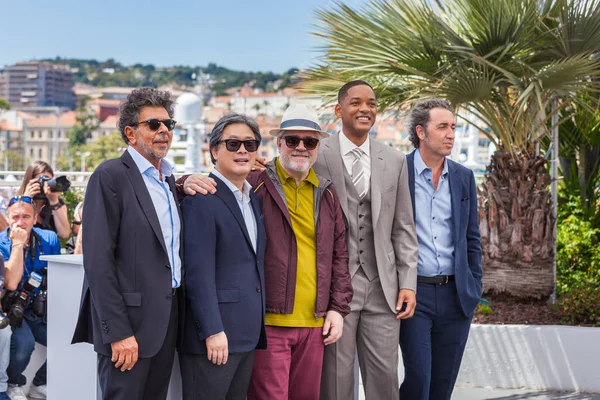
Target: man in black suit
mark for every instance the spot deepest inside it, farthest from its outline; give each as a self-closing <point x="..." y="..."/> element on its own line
<point x="225" y="243"/>
<point x="132" y="256"/>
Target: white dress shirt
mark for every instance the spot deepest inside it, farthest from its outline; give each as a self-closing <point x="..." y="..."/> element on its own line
<point x="243" y="200"/>
<point x="346" y="147"/>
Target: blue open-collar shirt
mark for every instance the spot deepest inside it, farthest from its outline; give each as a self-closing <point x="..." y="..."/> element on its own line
<point x="165" y="207"/>
<point x="433" y="214"/>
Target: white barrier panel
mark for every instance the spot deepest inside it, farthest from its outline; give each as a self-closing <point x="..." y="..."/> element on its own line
<point x="72" y="373"/>
<point x="532" y="356"/>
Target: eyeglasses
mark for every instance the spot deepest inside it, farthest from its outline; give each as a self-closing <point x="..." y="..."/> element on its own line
<point x="294" y="141"/>
<point x="16" y="199"/>
<point x="234" y="144"/>
<point x="154" y="123"/>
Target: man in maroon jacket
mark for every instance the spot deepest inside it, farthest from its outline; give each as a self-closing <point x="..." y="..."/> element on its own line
<point x="308" y="285"/>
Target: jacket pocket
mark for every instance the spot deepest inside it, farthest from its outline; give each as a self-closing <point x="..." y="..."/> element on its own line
<point x="132" y="299"/>
<point x="228" y="296"/>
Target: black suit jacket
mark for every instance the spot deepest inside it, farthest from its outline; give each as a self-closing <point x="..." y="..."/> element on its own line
<point x="224" y="275"/>
<point x="467" y="241"/>
<point x="127" y="289"/>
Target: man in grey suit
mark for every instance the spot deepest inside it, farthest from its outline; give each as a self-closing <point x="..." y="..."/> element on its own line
<point x="372" y="183"/>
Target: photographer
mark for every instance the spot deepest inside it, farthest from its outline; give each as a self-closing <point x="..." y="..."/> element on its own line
<point x="21" y="246"/>
<point x="5" y="334"/>
<point x="52" y="213"/>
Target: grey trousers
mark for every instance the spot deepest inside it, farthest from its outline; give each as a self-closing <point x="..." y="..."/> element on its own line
<point x="371" y="330"/>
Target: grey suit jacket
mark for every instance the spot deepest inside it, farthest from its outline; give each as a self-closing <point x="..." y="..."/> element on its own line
<point x="391" y="207"/>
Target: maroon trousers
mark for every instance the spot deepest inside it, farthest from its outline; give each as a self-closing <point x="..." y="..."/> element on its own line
<point x="290" y="367"/>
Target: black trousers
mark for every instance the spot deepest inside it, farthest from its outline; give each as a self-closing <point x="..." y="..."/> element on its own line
<point x="203" y="380"/>
<point x="149" y="378"/>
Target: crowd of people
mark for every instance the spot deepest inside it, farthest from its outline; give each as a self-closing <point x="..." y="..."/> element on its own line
<point x="269" y="277"/>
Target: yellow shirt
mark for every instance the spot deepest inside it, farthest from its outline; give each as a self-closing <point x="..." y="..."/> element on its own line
<point x="300" y="202"/>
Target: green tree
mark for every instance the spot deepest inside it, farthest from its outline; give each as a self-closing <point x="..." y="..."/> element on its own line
<point x="4" y="105"/>
<point x="510" y="65"/>
<point x="85" y="123"/>
<point x="106" y="147"/>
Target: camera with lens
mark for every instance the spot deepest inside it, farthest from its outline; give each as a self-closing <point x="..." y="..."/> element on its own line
<point x="38" y="305"/>
<point x="58" y="184"/>
<point x="4" y="321"/>
<point x="16" y="302"/>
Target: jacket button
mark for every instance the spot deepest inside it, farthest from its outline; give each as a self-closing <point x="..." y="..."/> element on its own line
<point x="258" y="289"/>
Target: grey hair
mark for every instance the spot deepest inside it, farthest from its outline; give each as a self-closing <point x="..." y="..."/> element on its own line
<point x="224" y="122"/>
<point x="419" y="115"/>
<point x="129" y="110"/>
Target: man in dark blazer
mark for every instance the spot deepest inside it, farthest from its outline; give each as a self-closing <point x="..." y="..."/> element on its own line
<point x="133" y="257"/>
<point x="444" y="198"/>
<point x="225" y="244"/>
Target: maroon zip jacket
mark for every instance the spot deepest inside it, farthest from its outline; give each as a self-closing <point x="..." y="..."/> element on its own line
<point x="334" y="285"/>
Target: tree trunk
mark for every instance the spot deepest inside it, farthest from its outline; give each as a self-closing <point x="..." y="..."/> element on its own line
<point x="516" y="224"/>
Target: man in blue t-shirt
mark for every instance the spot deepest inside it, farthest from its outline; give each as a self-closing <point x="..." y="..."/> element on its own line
<point x="21" y="246"/>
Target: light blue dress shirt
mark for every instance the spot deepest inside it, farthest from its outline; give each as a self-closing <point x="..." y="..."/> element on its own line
<point x="433" y="210"/>
<point x="243" y="200"/>
<point x="165" y="207"/>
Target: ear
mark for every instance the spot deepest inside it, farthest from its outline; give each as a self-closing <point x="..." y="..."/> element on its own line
<point x="338" y="110"/>
<point x="420" y="132"/>
<point x="130" y="133"/>
<point x="214" y="152"/>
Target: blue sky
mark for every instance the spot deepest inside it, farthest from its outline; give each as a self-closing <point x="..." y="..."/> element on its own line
<point x="252" y="35"/>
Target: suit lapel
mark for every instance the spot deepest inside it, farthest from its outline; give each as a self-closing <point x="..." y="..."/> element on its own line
<point x="333" y="159"/>
<point x="410" y="159"/>
<point x="377" y="175"/>
<point x="171" y="181"/>
<point x="143" y="196"/>
<point x="225" y="194"/>
<point x="260" y="233"/>
<point x="456" y="196"/>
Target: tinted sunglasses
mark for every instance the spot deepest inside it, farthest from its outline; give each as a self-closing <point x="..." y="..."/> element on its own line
<point x="235" y="144"/>
<point x="294" y="141"/>
<point x="154" y="123"/>
<point x="24" y="199"/>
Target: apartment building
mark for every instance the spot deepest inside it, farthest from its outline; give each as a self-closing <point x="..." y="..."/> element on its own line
<point x="37" y="84"/>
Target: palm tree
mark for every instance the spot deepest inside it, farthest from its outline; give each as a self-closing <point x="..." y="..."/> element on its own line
<point x="510" y="65"/>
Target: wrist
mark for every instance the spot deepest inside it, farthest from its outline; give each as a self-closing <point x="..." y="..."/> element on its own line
<point x="17" y="244"/>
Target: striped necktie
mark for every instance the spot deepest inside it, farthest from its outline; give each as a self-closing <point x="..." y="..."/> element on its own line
<point x="358" y="173"/>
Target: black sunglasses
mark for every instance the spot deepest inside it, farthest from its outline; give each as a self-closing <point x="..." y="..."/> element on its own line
<point x="234" y="144"/>
<point x="294" y="141"/>
<point x="24" y="199"/>
<point x="154" y="123"/>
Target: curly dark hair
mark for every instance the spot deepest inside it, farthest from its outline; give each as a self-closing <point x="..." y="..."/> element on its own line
<point x="129" y="110"/>
<point x="419" y="115"/>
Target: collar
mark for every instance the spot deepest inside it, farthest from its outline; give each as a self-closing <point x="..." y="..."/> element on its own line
<point x="420" y="165"/>
<point x="346" y="145"/>
<point x="284" y="176"/>
<point x="246" y="187"/>
<point x="166" y="169"/>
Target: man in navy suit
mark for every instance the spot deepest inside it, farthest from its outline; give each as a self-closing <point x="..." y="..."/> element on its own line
<point x="132" y="298"/>
<point x="224" y="270"/>
<point x="444" y="198"/>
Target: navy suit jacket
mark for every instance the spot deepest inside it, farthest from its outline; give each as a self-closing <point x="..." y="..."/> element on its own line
<point x="127" y="289"/>
<point x="467" y="243"/>
<point x="225" y="276"/>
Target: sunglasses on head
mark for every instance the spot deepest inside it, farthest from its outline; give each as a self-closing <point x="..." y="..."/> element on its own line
<point x="16" y="199"/>
<point x="154" y="123"/>
<point x="234" y="144"/>
<point x="292" y="142"/>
